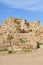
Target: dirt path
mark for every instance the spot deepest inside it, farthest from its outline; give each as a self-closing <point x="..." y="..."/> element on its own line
<point x="33" y="58"/>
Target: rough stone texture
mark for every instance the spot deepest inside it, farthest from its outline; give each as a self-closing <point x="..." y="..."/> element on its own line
<point x="32" y="32"/>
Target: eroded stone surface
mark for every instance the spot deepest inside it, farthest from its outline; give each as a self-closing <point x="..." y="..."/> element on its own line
<point x="32" y="32"/>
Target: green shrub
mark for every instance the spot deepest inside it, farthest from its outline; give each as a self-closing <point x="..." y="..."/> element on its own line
<point x="10" y="51"/>
<point x="27" y="50"/>
<point x="22" y="40"/>
<point x="9" y="37"/>
<point x="0" y="50"/>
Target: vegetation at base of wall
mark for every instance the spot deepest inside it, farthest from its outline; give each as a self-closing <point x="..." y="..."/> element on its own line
<point x="27" y="50"/>
<point x="10" y="51"/>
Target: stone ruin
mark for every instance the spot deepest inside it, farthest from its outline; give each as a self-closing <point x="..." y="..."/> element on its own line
<point x="32" y="32"/>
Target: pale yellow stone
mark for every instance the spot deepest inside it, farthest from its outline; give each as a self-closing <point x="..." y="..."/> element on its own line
<point x="41" y="46"/>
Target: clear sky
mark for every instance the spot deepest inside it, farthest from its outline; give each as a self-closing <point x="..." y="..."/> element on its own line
<point x="30" y="10"/>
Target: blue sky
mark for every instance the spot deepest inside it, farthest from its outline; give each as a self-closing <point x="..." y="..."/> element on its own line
<point x="30" y="10"/>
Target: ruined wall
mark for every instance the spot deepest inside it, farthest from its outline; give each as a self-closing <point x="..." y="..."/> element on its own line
<point x="18" y="28"/>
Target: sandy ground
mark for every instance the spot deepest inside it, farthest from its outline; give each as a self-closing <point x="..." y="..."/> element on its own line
<point x="33" y="58"/>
